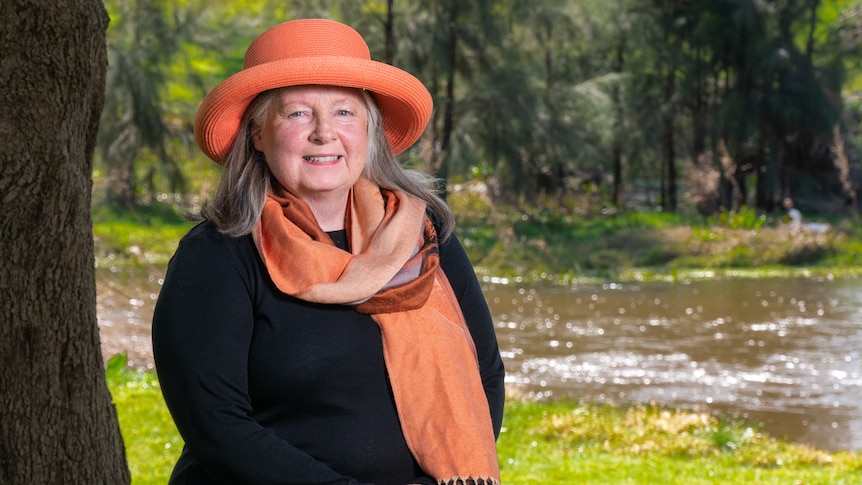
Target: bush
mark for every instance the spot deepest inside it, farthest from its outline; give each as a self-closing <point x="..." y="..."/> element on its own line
<point x="745" y="218"/>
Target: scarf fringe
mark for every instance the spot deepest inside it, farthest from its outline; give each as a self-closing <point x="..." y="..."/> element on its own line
<point x="469" y="481"/>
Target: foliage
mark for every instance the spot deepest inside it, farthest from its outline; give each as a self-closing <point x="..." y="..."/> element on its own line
<point x="134" y="123"/>
<point x="563" y="245"/>
<point x="556" y="98"/>
<point x="163" y="58"/>
<point x="742" y="218"/>
<point x="545" y="443"/>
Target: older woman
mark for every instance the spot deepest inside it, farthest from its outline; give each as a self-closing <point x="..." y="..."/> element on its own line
<point x="322" y="325"/>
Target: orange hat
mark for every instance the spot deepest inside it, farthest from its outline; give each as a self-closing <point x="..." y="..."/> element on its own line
<point x="312" y="51"/>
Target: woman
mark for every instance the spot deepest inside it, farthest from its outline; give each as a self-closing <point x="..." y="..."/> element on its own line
<point x="323" y="325"/>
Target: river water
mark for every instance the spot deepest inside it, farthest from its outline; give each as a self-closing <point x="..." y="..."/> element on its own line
<point x="783" y="352"/>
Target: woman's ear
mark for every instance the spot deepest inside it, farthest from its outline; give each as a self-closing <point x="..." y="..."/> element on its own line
<point x="257" y="141"/>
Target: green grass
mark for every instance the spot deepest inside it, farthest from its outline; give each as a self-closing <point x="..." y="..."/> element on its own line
<point x="566" y="442"/>
<point x="552" y="443"/>
<point x="152" y="441"/>
<point x="146" y="236"/>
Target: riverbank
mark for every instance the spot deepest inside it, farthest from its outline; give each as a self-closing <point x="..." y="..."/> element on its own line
<point x="565" y="242"/>
<point x="552" y="443"/>
<point x="557" y="243"/>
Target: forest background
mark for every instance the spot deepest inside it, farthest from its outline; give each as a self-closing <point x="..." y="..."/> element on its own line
<point x="554" y="122"/>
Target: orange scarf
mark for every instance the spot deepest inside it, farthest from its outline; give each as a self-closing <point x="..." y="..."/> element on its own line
<point x="394" y="275"/>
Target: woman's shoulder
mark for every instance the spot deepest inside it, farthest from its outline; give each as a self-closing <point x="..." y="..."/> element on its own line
<point x="208" y="253"/>
<point x="207" y="232"/>
<point x="205" y="237"/>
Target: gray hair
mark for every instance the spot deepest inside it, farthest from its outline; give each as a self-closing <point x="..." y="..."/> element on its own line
<point x="246" y="179"/>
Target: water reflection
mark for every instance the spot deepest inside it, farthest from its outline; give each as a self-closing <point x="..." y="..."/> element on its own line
<point x="785" y="352"/>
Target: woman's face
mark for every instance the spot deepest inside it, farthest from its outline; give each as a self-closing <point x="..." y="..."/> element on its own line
<point x="315" y="140"/>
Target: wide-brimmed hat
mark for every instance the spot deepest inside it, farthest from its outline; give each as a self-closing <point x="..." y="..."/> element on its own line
<point x="318" y="52"/>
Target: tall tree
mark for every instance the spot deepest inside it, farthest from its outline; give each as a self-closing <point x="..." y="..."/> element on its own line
<point x="619" y="117"/>
<point x="513" y="89"/>
<point x="144" y="38"/>
<point x="452" y="37"/>
<point x="437" y="61"/>
<point x="59" y="425"/>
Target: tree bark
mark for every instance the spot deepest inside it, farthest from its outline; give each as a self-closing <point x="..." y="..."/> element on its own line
<point x="58" y="423"/>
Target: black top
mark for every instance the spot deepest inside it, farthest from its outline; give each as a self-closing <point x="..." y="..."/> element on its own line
<point x="266" y="388"/>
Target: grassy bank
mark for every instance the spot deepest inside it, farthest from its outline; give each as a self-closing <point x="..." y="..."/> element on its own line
<point x="558" y="243"/>
<point x="553" y="443"/>
<point x="143" y="237"/>
<point x="564" y="241"/>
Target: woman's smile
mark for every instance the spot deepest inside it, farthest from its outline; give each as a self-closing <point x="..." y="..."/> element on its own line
<point x="323" y="159"/>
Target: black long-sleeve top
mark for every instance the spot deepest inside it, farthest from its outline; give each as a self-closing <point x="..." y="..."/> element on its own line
<point x="265" y="388"/>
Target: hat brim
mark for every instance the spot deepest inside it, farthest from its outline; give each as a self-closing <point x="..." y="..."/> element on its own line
<point x="403" y="100"/>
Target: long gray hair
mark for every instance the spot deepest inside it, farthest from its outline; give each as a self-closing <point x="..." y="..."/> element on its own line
<point x="246" y="180"/>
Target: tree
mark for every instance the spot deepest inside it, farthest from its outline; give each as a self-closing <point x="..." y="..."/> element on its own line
<point x="437" y="63"/>
<point x="59" y="425"/>
<point x="145" y="37"/>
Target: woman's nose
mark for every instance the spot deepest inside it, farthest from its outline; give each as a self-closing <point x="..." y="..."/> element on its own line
<point x="323" y="131"/>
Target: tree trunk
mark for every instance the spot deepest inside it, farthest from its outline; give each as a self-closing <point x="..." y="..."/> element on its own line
<point x="764" y="195"/>
<point x="813" y="5"/>
<point x="121" y="182"/>
<point x="388" y="37"/>
<point x="442" y="166"/>
<point x="619" y="128"/>
<point x="58" y="423"/>
<point x="699" y="111"/>
<point x="669" y="192"/>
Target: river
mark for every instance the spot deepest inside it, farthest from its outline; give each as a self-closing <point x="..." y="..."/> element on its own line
<point x="783" y="352"/>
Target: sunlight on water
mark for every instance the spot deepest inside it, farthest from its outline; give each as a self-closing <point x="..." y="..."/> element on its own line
<point x="124" y="304"/>
<point x="782" y="351"/>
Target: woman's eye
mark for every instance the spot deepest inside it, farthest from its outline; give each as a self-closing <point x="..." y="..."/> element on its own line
<point x="344" y="112"/>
